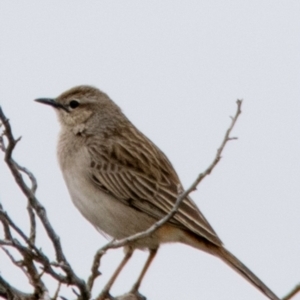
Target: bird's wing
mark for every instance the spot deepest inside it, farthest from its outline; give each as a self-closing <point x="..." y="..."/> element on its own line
<point x="137" y="173"/>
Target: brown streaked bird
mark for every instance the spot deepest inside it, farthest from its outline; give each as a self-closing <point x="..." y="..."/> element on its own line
<point x="122" y="183"/>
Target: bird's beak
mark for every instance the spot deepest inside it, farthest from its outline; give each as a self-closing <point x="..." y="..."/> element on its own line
<point x="51" y="102"/>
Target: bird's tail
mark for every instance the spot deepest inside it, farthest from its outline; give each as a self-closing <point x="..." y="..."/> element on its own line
<point x="239" y="267"/>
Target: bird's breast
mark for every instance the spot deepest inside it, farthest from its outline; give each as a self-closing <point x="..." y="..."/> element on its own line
<point x="108" y="214"/>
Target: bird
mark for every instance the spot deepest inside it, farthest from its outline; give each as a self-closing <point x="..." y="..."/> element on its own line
<point x="122" y="183"/>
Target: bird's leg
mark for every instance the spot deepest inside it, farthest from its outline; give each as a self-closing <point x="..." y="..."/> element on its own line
<point x="150" y="258"/>
<point x="105" y="292"/>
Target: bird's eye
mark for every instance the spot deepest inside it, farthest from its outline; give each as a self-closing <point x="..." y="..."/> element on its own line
<point x="74" y="103"/>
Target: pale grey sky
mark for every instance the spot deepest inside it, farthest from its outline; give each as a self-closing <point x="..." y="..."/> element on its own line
<point x="176" y="69"/>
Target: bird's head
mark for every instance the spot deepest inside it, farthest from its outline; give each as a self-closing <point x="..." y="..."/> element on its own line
<point x="83" y="105"/>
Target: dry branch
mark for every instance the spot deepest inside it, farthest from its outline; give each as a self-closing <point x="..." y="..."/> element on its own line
<point x="292" y="293"/>
<point x="30" y="252"/>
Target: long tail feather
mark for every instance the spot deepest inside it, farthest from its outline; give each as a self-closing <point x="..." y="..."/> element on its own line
<point x="240" y="268"/>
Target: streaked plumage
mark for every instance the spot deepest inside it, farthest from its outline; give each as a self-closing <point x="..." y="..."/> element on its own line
<point x="122" y="183"/>
<point x="131" y="168"/>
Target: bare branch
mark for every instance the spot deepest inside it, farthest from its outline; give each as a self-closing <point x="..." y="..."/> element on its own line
<point x="29" y="208"/>
<point x="95" y="269"/>
<point x="9" y="292"/>
<point x="57" y="291"/>
<point x="35" y="205"/>
<point x="19" y="264"/>
<point x="292" y="293"/>
<point x="5" y="217"/>
<point x="32" y="224"/>
<point x="6" y="229"/>
<point x="26" y="265"/>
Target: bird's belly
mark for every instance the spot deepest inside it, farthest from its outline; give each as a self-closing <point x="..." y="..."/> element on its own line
<point x="108" y="214"/>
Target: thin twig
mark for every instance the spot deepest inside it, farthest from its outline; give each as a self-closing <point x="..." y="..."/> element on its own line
<point x="57" y="291"/>
<point x="19" y="263"/>
<point x="31" y="214"/>
<point x="9" y="221"/>
<point x="95" y="269"/>
<point x="36" y="255"/>
<point x="6" y="229"/>
<point x="292" y="293"/>
<point x="26" y="265"/>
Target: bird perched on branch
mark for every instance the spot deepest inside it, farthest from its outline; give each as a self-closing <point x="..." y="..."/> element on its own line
<point x="122" y="183"/>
